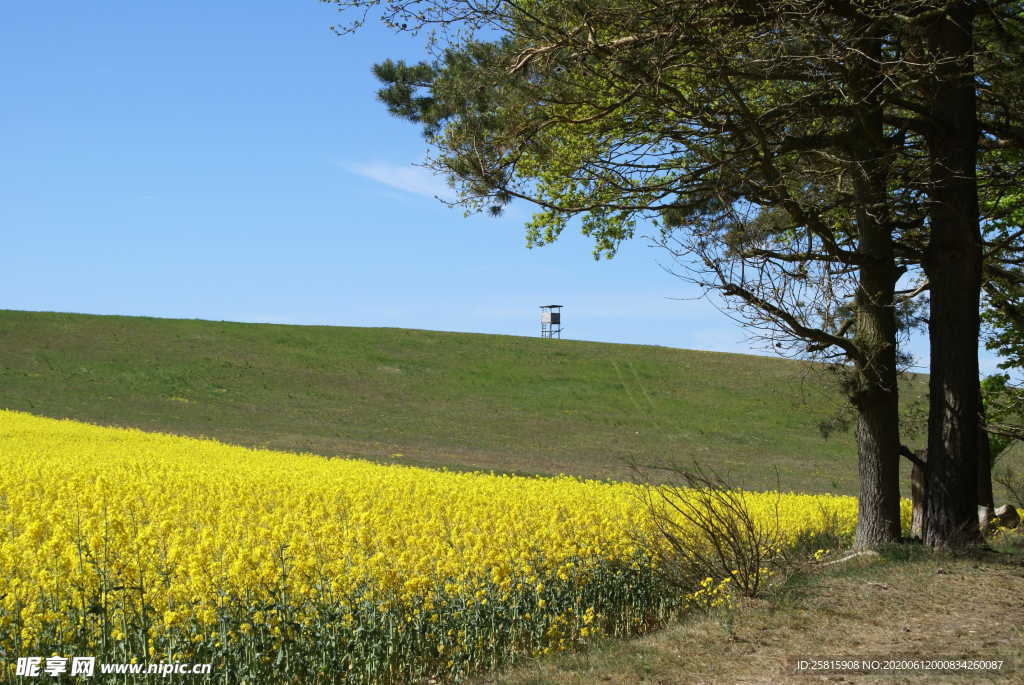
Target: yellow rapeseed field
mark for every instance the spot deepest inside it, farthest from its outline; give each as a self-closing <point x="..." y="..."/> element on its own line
<point x="133" y="545"/>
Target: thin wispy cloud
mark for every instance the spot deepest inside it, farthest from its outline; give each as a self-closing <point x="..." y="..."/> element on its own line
<point x="404" y="177"/>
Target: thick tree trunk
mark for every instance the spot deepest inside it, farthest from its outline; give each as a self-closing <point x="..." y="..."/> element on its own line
<point x="878" y="514"/>
<point x="953" y="266"/>
<point x="874" y="391"/>
<point x="876" y="394"/>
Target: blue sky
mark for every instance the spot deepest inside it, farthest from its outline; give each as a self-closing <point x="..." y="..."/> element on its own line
<point x="229" y="161"/>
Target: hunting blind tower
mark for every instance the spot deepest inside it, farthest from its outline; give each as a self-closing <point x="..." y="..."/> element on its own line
<point x="551" y="321"/>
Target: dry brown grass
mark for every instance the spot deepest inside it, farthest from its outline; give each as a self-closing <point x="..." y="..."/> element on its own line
<point x="927" y="607"/>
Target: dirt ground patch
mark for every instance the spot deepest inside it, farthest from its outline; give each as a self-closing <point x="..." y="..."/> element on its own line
<point x="928" y="607"/>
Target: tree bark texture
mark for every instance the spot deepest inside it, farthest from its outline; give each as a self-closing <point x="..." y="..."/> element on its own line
<point x="877" y="397"/>
<point x="874" y="390"/>
<point x="953" y="266"/>
<point x="878" y="514"/>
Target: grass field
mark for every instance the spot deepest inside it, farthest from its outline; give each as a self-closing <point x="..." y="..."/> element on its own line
<point x="458" y="402"/>
<point x="464" y="401"/>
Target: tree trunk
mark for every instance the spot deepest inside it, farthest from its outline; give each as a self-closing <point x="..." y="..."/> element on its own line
<point x="877" y="397"/>
<point x="874" y="391"/>
<point x="917" y="485"/>
<point x="878" y="513"/>
<point x="953" y="266"/>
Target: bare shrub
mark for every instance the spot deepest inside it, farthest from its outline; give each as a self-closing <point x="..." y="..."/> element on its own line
<point x="699" y="527"/>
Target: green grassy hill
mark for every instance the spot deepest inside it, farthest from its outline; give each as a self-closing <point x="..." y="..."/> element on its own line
<point x="501" y="403"/>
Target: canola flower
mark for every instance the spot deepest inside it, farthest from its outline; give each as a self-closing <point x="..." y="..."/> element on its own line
<point x="133" y="545"/>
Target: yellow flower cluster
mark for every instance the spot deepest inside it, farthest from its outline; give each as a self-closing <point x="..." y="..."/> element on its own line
<point x="711" y="594"/>
<point x="173" y="545"/>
